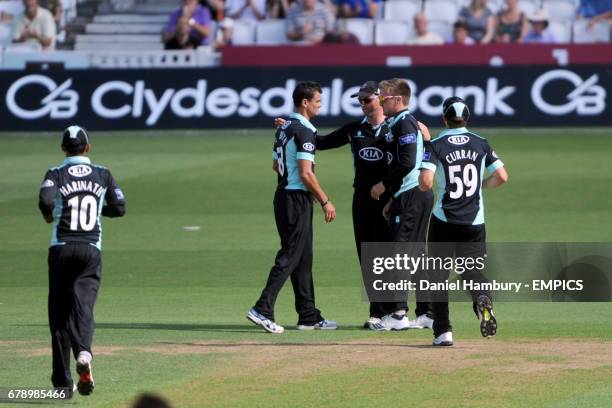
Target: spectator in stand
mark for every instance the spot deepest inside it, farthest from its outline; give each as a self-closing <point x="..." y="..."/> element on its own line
<point x="539" y="32"/>
<point x="596" y="10"/>
<point x="225" y="33"/>
<point x="359" y="8"/>
<point x="424" y="36"/>
<point x="55" y="7"/>
<point x="278" y="8"/>
<point x="341" y="35"/>
<point x="479" y="20"/>
<point x="308" y="21"/>
<point x="198" y="19"/>
<point x="460" y="34"/>
<point x="246" y="10"/>
<point x="36" y="26"/>
<point x="182" y="40"/>
<point x="215" y="7"/>
<point x="511" y="24"/>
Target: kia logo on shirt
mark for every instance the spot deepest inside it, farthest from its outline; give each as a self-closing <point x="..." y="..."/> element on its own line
<point x="79" y="170"/>
<point x="459" y="140"/>
<point x="371" y="154"/>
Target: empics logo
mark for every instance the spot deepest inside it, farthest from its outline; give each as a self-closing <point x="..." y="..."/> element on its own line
<point x="60" y="103"/>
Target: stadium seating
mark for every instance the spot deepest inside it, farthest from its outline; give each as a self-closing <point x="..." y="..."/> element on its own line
<point x="363" y="29"/>
<point x="389" y="32"/>
<point x="494" y="5"/>
<point x="155" y="19"/>
<point x="443" y="28"/>
<point x="133" y="28"/>
<point x="271" y="32"/>
<point x="562" y="30"/>
<point x="442" y="10"/>
<point x="599" y="33"/>
<point x="560" y="10"/>
<point x="12" y="7"/>
<point x="6" y="34"/>
<point x="401" y="10"/>
<point x="244" y="33"/>
<point x="528" y="7"/>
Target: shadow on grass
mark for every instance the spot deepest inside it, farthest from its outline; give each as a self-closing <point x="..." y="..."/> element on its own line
<point x="296" y="344"/>
<point x="222" y="327"/>
<point x="211" y="327"/>
<point x="247" y="328"/>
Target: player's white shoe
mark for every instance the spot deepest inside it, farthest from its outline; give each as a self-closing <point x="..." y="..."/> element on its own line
<point x="85" y="386"/>
<point x="322" y="325"/>
<point x="392" y="322"/>
<point x="267" y="324"/>
<point x="443" y="340"/>
<point x="422" y="322"/>
<point x="371" y="322"/>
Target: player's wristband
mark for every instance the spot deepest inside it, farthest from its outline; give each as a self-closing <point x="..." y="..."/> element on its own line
<point x="324" y="203"/>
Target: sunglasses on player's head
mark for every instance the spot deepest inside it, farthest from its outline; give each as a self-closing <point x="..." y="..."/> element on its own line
<point x="383" y="98"/>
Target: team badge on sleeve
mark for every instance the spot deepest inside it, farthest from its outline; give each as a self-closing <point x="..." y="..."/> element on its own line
<point x="408" y="138"/>
<point x="309" y="147"/>
<point x="426" y="156"/>
<point x="119" y="194"/>
<point x="47" y="183"/>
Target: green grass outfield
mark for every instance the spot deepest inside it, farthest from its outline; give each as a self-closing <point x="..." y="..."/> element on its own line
<point x="170" y="316"/>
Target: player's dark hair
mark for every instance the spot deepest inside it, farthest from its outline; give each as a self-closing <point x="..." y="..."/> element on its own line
<point x="456" y="122"/>
<point x="453" y="118"/>
<point x="305" y="90"/>
<point x="460" y="24"/>
<point x="74" y="150"/>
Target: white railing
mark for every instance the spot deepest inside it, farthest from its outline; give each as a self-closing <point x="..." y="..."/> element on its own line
<point x="18" y="59"/>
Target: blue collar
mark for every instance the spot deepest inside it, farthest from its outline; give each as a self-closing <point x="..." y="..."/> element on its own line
<point x="456" y="131"/>
<point x="77" y="160"/>
<point x="365" y="120"/>
<point x="399" y="116"/>
<point x="303" y="120"/>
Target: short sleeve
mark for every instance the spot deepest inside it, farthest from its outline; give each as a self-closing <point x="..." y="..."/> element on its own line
<point x="49" y="28"/>
<point x="330" y="20"/>
<point x="171" y="24"/>
<point x="406" y="132"/>
<point x="50" y="180"/>
<point x="48" y="190"/>
<point x="430" y="159"/>
<point x="305" y="142"/>
<point x="492" y="161"/>
<point x="113" y="193"/>
<point x="291" y="20"/>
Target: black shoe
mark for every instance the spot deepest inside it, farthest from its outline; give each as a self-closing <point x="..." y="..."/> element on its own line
<point x="488" y="324"/>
